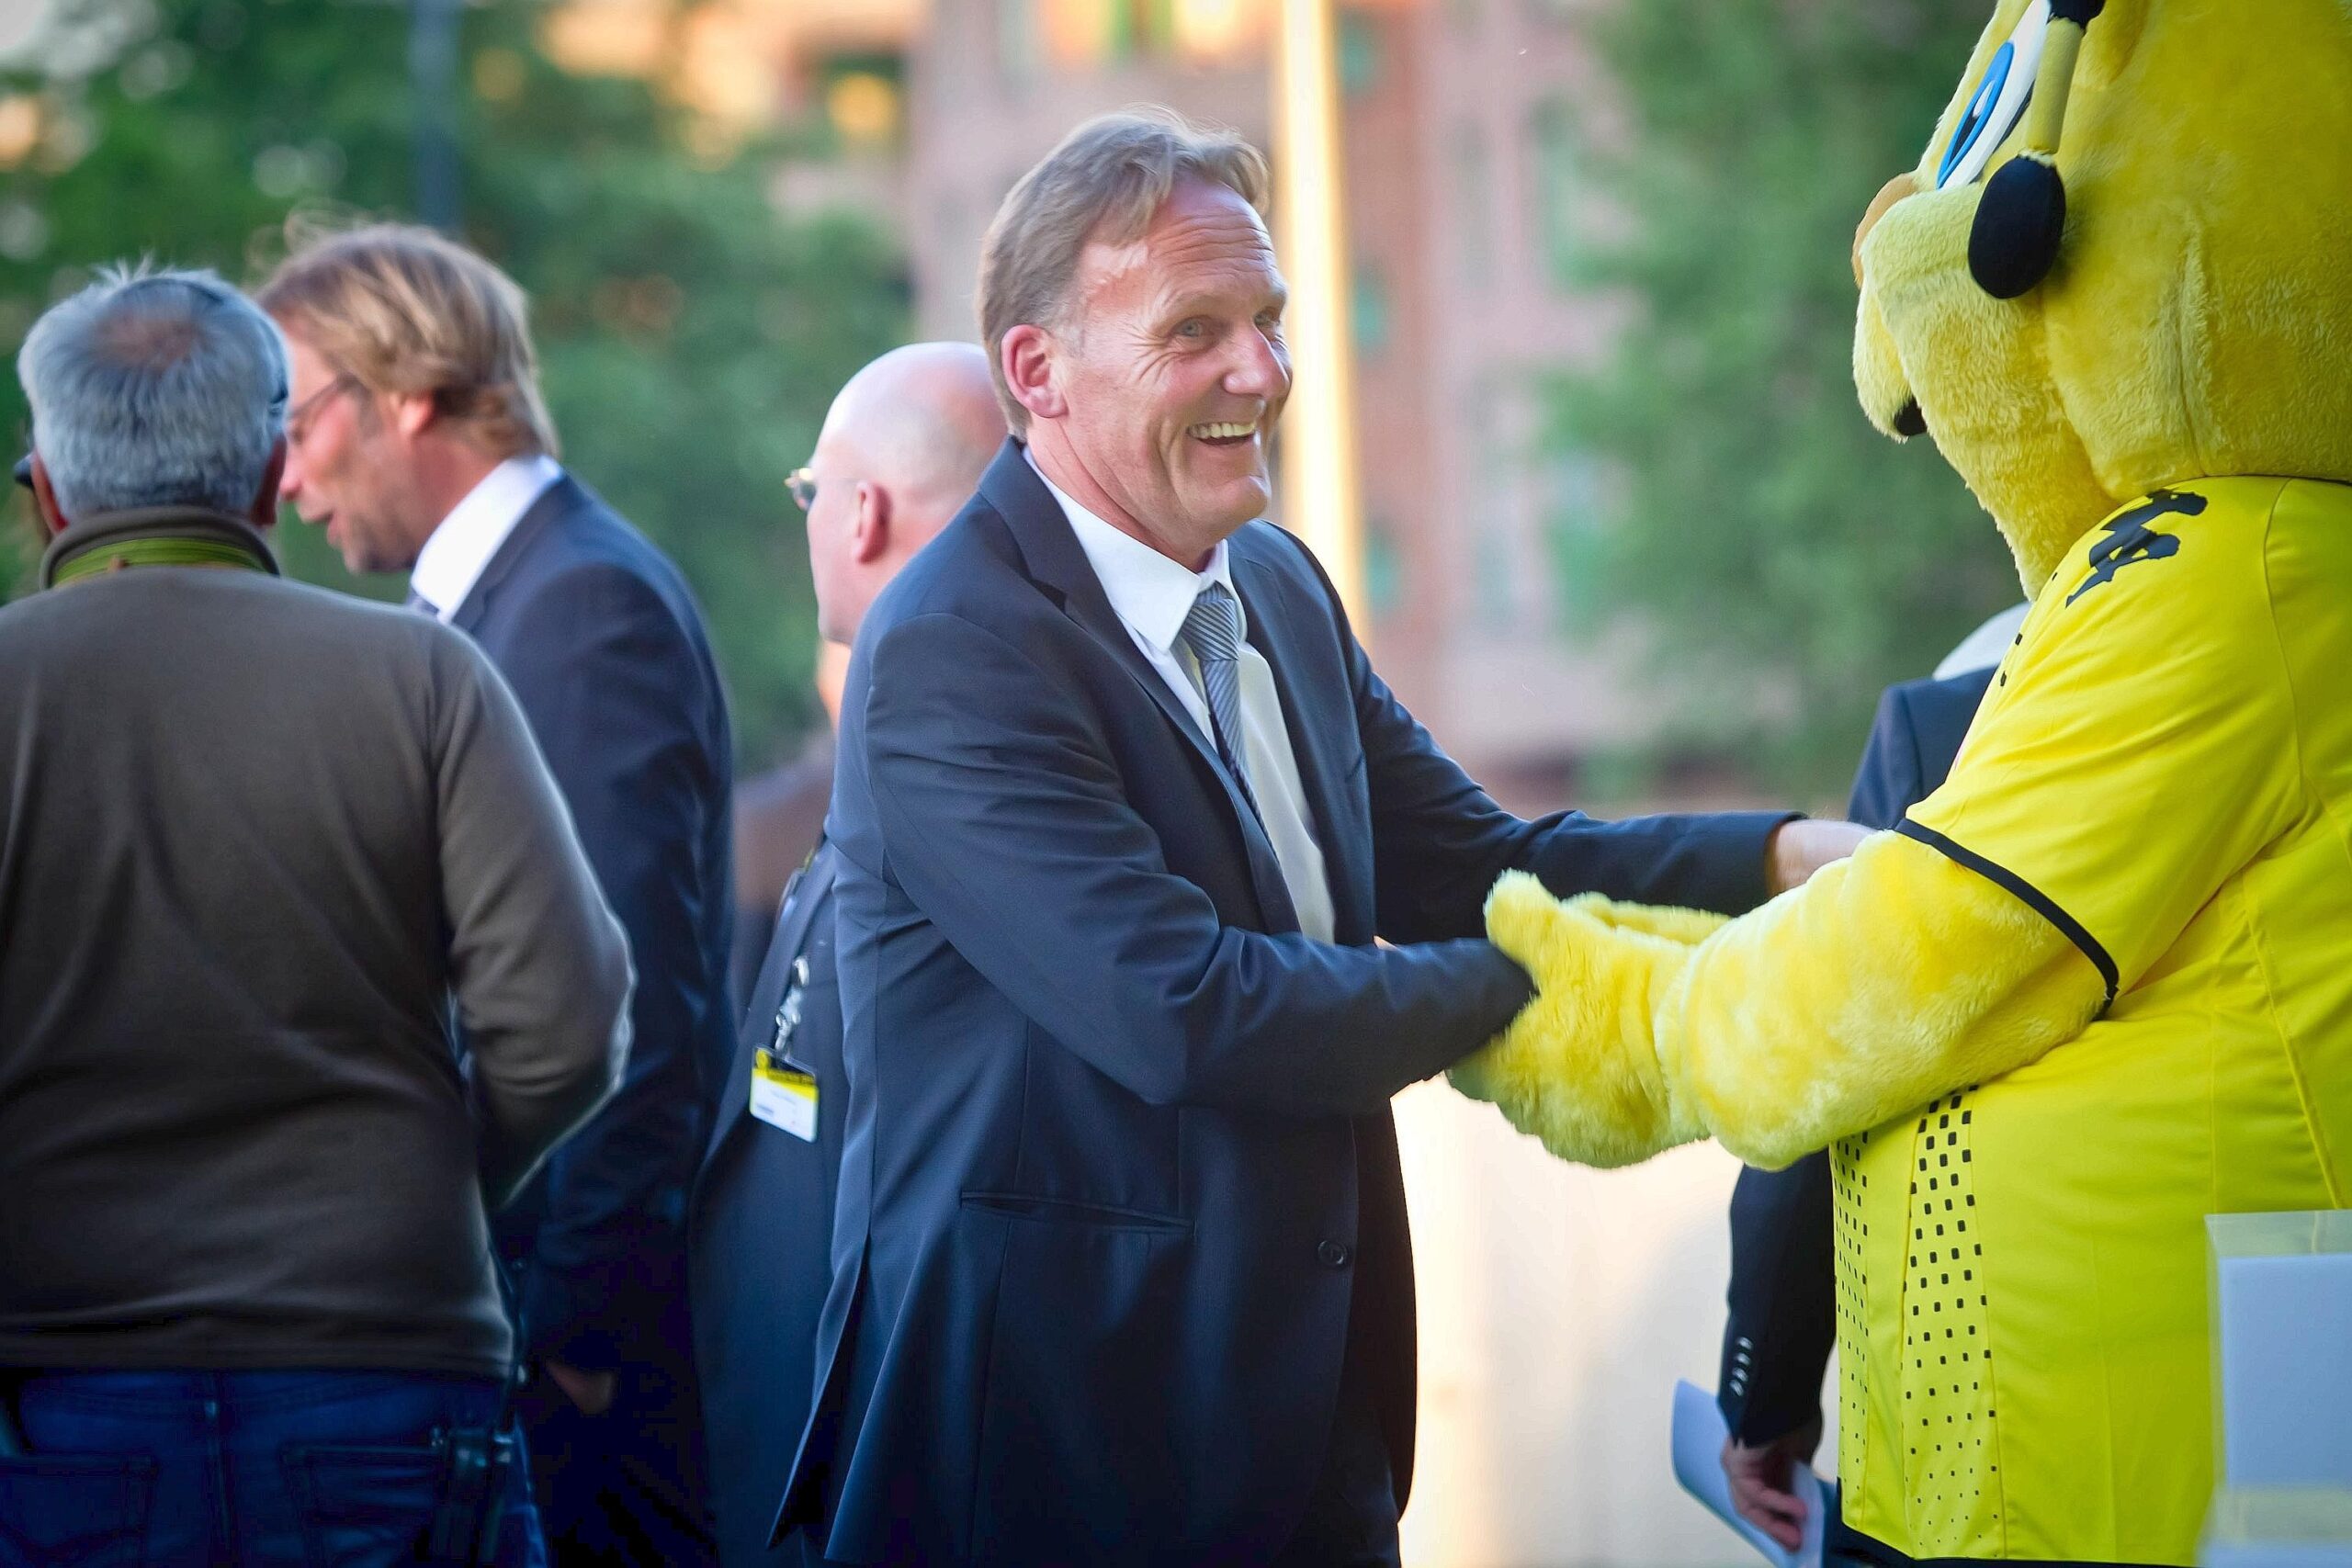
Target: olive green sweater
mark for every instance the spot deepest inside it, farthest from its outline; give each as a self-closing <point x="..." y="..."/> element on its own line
<point x="254" y="838"/>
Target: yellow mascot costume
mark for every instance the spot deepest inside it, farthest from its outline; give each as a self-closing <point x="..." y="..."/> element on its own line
<point x="2099" y="985"/>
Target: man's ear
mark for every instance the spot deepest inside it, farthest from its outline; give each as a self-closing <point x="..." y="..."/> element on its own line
<point x="869" y="537"/>
<point x="1027" y="356"/>
<point x="412" y="412"/>
<point x="45" y="498"/>
<point x="263" y="513"/>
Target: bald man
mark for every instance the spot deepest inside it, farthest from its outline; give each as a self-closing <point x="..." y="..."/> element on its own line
<point x="902" y="448"/>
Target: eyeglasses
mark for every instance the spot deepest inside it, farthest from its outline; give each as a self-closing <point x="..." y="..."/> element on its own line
<point x="298" y="417"/>
<point x="802" y="483"/>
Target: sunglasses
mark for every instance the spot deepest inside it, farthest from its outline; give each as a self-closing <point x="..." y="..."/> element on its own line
<point x="802" y="483"/>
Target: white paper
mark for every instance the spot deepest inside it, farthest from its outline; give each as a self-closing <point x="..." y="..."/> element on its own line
<point x="1699" y="1437"/>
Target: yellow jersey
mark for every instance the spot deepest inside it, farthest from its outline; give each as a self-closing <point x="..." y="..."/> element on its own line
<point x="2163" y="768"/>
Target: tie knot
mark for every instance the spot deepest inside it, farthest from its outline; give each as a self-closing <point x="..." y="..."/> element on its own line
<point x="1213" y="625"/>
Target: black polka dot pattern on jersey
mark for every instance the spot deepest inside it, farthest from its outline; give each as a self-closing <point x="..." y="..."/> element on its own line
<point x="1849" y="1183"/>
<point x="1948" y="1410"/>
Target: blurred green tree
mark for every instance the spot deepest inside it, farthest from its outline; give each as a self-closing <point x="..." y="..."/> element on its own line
<point x="691" y="335"/>
<point x="1786" y="559"/>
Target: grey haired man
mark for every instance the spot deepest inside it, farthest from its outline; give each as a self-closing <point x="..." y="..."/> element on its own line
<point x="258" y="839"/>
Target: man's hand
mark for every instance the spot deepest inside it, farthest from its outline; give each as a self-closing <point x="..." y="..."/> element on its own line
<point x="1759" y="1481"/>
<point x="1804" y="846"/>
<point x="592" y="1392"/>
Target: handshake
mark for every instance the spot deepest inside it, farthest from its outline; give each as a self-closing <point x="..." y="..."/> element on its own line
<point x="1596" y="1066"/>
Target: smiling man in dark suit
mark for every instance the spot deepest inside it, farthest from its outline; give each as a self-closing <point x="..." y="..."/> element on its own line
<point x="1121" y="1269"/>
<point x="418" y="439"/>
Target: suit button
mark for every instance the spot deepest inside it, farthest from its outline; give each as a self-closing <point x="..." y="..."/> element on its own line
<point x="1333" y="1255"/>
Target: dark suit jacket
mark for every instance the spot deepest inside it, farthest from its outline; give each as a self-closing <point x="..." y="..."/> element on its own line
<point x="1783" y="1313"/>
<point x="1120" y="1184"/>
<point x="760" y="1230"/>
<point x="596" y="632"/>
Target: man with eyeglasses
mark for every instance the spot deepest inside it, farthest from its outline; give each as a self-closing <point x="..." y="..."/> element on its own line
<point x="902" y="447"/>
<point x="419" y="441"/>
<point x="258" y="839"/>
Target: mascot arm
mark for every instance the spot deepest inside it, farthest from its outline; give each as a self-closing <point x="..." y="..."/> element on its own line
<point x="1887" y="980"/>
<point x="2138" y="749"/>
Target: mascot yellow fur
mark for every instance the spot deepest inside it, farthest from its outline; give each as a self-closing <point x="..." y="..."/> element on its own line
<point x="2099" y="985"/>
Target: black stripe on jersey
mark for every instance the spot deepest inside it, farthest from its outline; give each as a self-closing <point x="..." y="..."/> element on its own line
<point x="2041" y="902"/>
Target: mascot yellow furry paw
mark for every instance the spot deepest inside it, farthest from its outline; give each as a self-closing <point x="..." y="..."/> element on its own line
<point x="2099" y="985"/>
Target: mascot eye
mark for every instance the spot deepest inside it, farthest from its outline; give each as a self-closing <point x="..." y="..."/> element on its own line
<point x="1999" y="100"/>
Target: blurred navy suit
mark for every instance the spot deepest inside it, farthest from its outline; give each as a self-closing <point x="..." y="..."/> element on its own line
<point x="1119" y="1193"/>
<point x="599" y="637"/>
<point x="760" y="1230"/>
<point x="1783" y="1275"/>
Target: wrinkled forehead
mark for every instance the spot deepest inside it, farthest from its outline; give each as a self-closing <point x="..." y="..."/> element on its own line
<point x="1205" y="245"/>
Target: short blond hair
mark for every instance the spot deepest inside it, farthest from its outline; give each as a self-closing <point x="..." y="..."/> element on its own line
<point x="1105" y="180"/>
<point x="401" y="310"/>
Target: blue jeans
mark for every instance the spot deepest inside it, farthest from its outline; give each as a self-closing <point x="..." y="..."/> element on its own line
<point x="240" y="1469"/>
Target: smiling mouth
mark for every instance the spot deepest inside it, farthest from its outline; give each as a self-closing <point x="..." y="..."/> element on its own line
<point x="1226" y="434"/>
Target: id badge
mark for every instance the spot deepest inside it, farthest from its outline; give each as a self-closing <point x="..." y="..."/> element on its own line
<point x="783" y="1095"/>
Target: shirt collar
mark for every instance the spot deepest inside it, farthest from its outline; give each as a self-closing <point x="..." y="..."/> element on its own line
<point x="1149" y="592"/>
<point x="454" y="556"/>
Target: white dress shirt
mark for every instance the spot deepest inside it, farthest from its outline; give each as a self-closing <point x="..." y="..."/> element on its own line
<point x="454" y="556"/>
<point x="1151" y="595"/>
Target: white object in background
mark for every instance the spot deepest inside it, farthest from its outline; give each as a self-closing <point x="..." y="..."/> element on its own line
<point x="2279" y="1527"/>
<point x="2282" y="1347"/>
<point x="1699" y="1438"/>
<point x="1981" y="649"/>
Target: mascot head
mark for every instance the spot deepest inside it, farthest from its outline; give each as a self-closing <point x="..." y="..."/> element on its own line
<point x="2125" y="260"/>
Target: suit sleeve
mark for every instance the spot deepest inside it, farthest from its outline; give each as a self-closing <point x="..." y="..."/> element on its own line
<point x="1440" y="841"/>
<point x="1783" y="1310"/>
<point x="610" y="681"/>
<point x="1890" y="779"/>
<point x="1006" y="823"/>
<point x="538" y="965"/>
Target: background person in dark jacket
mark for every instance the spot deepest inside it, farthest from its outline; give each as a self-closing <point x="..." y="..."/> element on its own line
<point x="421" y="444"/>
<point x="1783" y="1310"/>
<point x="901" y="448"/>
<point x="257" y="835"/>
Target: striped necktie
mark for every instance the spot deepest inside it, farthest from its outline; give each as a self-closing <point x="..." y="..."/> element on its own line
<point x="1213" y="631"/>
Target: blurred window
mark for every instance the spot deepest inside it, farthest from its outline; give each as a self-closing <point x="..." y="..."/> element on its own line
<point x="1384" y="573"/>
<point x="1370" y="318"/>
<point x="1361" y="53"/>
<point x="1552" y="186"/>
<point x="1020" y="42"/>
<point x="1473" y="197"/>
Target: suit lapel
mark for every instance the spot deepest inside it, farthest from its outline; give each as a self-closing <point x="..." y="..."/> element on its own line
<point x="557" y="500"/>
<point x="1320" y="724"/>
<point x="1056" y="562"/>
